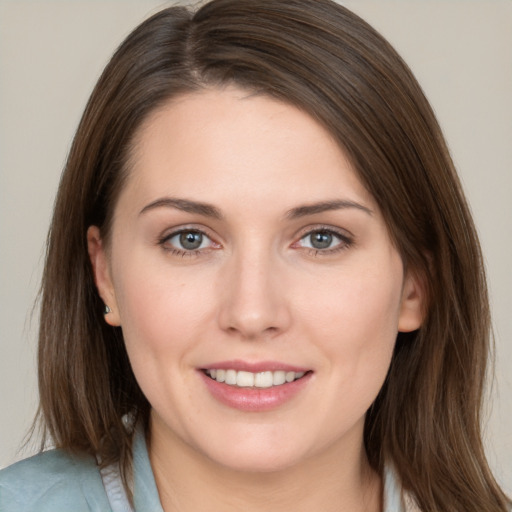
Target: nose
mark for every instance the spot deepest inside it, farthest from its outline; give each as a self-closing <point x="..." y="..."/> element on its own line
<point x="253" y="292"/>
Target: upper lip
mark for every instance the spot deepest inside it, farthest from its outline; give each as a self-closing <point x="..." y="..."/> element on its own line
<point x="254" y="366"/>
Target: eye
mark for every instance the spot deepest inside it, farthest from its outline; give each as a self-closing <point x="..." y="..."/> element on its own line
<point x="187" y="241"/>
<point x="325" y="240"/>
<point x="319" y="240"/>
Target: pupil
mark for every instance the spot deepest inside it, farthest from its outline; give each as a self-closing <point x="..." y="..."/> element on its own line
<point x="321" y="240"/>
<point x="191" y="240"/>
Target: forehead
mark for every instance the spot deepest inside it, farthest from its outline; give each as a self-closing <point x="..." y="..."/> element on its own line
<point x="230" y="142"/>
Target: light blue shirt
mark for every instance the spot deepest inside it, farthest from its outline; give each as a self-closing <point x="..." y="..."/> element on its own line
<point x="55" y="481"/>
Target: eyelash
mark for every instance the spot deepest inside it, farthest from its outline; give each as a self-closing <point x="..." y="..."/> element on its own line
<point x="164" y="243"/>
<point x="345" y="242"/>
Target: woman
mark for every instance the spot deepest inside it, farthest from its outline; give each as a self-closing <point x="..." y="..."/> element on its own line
<point x="262" y="276"/>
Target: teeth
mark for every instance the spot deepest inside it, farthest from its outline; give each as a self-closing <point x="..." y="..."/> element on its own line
<point x="245" y="379"/>
<point x="279" y="378"/>
<point x="230" y="377"/>
<point x="249" y="380"/>
<point x="263" y="380"/>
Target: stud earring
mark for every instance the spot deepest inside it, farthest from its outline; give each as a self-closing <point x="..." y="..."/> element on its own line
<point x="107" y="310"/>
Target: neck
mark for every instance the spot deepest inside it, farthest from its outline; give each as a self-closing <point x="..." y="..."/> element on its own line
<point x="188" y="481"/>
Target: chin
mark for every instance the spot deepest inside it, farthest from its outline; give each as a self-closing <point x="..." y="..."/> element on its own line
<point x="260" y="457"/>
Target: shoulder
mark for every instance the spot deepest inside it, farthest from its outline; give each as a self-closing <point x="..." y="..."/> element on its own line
<point x="53" y="481"/>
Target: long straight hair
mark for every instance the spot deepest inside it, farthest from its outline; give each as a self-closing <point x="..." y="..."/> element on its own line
<point x="323" y="59"/>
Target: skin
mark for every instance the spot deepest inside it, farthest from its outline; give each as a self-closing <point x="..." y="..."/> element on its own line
<point x="256" y="291"/>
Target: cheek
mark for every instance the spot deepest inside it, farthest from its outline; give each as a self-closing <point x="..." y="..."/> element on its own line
<point x="352" y="303"/>
<point x="355" y="324"/>
<point x="161" y="308"/>
<point x="163" y="318"/>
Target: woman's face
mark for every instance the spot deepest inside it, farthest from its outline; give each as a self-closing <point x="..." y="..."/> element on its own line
<point x="256" y="285"/>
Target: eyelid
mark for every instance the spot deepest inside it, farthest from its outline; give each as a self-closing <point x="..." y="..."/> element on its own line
<point x="204" y="239"/>
<point x="175" y="231"/>
<point x="314" y="228"/>
<point x="346" y="238"/>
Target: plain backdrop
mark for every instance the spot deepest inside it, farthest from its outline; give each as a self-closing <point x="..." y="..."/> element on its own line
<point x="52" y="52"/>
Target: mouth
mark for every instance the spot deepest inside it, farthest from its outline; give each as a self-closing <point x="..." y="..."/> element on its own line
<point x="256" y="386"/>
<point x="245" y="379"/>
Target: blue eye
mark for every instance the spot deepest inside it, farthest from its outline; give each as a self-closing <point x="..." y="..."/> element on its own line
<point x="188" y="240"/>
<point x="320" y="240"/>
<point x="324" y="240"/>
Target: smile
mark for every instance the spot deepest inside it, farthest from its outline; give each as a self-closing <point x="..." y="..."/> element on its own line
<point x="244" y="379"/>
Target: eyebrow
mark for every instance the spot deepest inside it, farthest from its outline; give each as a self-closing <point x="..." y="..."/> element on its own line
<point x="324" y="206"/>
<point x="184" y="205"/>
<point x="208" y="210"/>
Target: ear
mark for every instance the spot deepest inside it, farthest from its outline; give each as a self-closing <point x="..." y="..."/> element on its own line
<point x="413" y="304"/>
<point x="102" y="277"/>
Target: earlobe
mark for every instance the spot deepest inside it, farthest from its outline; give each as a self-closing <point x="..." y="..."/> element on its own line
<point x="413" y="304"/>
<point x="102" y="277"/>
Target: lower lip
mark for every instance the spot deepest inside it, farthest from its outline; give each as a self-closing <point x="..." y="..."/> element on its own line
<point x="255" y="399"/>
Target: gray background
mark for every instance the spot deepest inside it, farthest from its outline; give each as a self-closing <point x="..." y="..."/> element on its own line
<point x="51" y="53"/>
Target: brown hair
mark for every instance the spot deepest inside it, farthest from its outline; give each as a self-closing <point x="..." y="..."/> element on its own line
<point x="323" y="59"/>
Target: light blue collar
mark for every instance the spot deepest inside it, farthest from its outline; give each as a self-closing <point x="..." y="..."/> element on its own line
<point x="393" y="496"/>
<point x="146" y="494"/>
